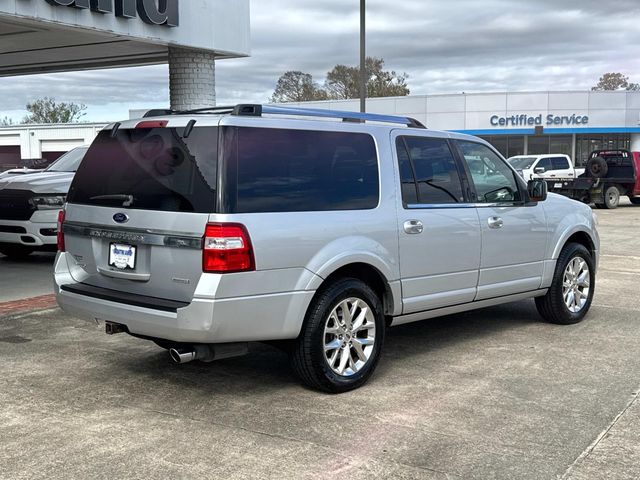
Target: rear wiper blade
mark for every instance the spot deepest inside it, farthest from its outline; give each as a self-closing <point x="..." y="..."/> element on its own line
<point x="127" y="200"/>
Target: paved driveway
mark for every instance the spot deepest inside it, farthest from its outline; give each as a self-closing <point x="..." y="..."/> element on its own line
<point x="488" y="394"/>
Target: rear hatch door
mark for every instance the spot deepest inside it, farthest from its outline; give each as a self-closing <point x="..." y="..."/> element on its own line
<point x="138" y="208"/>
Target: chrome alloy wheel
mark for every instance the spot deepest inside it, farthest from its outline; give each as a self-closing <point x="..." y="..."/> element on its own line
<point x="349" y="336"/>
<point x="576" y="284"/>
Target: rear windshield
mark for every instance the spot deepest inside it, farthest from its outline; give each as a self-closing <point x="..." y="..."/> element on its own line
<point x="278" y="170"/>
<point x="150" y="169"/>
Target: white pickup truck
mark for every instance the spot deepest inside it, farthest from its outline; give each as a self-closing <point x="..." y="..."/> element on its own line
<point x="546" y="167"/>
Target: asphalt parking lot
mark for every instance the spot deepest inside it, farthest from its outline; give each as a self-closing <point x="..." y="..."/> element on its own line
<point x="489" y="394"/>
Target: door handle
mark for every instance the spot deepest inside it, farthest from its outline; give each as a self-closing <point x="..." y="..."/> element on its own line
<point x="495" y="222"/>
<point x="413" y="227"/>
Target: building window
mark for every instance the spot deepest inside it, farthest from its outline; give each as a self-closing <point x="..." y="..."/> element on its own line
<point x="585" y="144"/>
<point x="516" y="146"/>
<point x="544" y="144"/>
<point x="507" y="145"/>
<point x="538" y="145"/>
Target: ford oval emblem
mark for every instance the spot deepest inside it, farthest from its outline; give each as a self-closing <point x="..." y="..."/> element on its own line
<point x="121" y="218"/>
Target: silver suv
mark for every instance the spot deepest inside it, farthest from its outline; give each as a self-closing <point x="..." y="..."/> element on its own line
<point x="316" y="230"/>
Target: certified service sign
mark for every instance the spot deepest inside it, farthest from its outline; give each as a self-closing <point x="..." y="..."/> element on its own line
<point x="154" y="12"/>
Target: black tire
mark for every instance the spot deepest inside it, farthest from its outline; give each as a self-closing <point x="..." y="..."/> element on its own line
<point x="15" y="252"/>
<point x="552" y="306"/>
<point x="308" y="354"/>
<point x="597" y="167"/>
<point x="635" y="200"/>
<point x="611" y="197"/>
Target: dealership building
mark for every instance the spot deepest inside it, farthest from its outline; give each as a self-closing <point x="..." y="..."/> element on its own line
<point x="45" y="36"/>
<point x="574" y="123"/>
<point x="570" y="122"/>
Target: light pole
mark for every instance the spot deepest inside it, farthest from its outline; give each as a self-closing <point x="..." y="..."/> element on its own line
<point x="363" y="58"/>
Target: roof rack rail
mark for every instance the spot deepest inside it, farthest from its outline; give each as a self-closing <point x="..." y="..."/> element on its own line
<point x="226" y="108"/>
<point x="158" y="112"/>
<point x="257" y="110"/>
<point x="250" y="110"/>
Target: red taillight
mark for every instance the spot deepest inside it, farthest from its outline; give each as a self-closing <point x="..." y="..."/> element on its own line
<point x="227" y="248"/>
<point x="152" y="124"/>
<point x="61" y="215"/>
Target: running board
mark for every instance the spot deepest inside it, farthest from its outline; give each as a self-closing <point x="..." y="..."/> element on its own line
<point x="465" y="307"/>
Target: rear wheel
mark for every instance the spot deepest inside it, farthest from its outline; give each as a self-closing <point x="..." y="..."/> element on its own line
<point x="15" y="252"/>
<point x="611" y="197"/>
<point x="342" y="337"/>
<point x="571" y="293"/>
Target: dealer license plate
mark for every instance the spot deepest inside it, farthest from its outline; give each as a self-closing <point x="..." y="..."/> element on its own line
<point x="557" y="185"/>
<point x="122" y="256"/>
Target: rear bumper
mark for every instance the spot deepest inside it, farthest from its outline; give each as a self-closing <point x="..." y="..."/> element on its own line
<point x="241" y="319"/>
<point x="39" y="231"/>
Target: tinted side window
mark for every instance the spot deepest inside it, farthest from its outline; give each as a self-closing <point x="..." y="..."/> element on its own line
<point x="407" y="178"/>
<point x="281" y="170"/>
<point x="430" y="163"/>
<point x="560" y="163"/>
<point x="494" y="181"/>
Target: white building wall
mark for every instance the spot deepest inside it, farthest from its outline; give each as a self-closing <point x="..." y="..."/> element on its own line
<point x="473" y="111"/>
<point x="35" y="139"/>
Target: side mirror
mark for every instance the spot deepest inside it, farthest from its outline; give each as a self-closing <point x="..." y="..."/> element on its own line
<point x="539" y="170"/>
<point x="537" y="190"/>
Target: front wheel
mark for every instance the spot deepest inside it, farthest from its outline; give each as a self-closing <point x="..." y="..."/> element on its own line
<point x="571" y="293"/>
<point x="341" y="339"/>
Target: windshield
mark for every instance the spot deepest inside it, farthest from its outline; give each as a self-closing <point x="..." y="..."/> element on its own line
<point x="521" y="163"/>
<point x="150" y="169"/>
<point x="69" y="162"/>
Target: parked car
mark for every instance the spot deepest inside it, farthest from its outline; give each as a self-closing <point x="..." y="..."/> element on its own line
<point x="313" y="229"/>
<point x="19" y="171"/>
<point x="609" y="175"/>
<point x="545" y="166"/>
<point x="29" y="205"/>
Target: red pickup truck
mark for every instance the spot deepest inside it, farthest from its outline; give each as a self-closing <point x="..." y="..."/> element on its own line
<point x="609" y="175"/>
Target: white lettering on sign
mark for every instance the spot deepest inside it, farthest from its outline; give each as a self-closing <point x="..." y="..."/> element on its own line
<point x="154" y="12"/>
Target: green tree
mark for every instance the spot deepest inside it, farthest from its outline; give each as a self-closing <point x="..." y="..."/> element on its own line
<point x="295" y="86"/>
<point x="5" y="121"/>
<point x="615" y="81"/>
<point x="343" y="81"/>
<point x="47" y="110"/>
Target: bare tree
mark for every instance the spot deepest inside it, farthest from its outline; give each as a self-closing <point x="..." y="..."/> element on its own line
<point x="295" y="86"/>
<point x="343" y="81"/>
<point x="615" y="81"/>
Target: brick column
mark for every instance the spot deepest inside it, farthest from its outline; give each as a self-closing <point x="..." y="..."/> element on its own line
<point x="192" y="79"/>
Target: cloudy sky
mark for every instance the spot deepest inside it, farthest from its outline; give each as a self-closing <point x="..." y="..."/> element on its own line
<point x="444" y="46"/>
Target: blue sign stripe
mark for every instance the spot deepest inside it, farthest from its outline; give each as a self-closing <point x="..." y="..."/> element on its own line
<point x="550" y="131"/>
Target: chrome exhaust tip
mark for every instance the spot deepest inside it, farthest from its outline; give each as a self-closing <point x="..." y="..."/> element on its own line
<point x="182" y="356"/>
